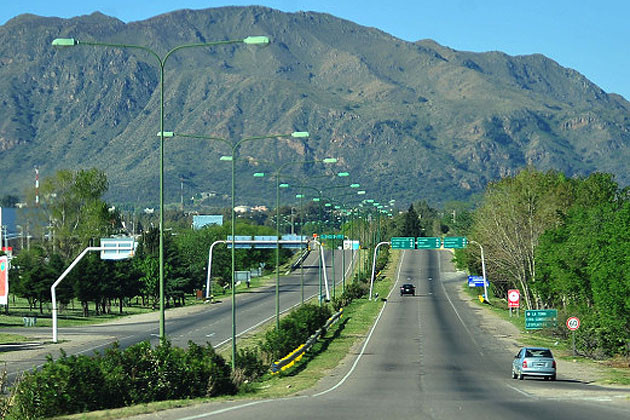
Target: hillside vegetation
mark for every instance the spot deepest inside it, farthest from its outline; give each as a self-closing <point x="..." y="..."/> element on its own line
<point x="407" y="120"/>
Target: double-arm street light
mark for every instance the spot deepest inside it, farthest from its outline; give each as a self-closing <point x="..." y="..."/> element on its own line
<point x="232" y="158"/>
<point x="318" y="199"/>
<point x="70" y="42"/>
<point x="277" y="174"/>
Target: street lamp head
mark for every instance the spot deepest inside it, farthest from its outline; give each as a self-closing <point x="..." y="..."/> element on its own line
<point x="165" y="134"/>
<point x="64" y="42"/>
<point x="362" y="192"/>
<point x="299" y="195"/>
<point x="256" y="40"/>
<point x="259" y="174"/>
<point x="355" y="185"/>
<point x="343" y="174"/>
<point x="330" y="160"/>
<point x="300" y="134"/>
<point x="283" y="185"/>
<point x="316" y="199"/>
<point x="226" y="158"/>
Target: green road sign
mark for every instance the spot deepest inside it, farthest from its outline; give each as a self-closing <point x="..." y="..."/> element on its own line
<point x="403" y="242"/>
<point x="428" y="242"/>
<point x="455" y="242"/>
<point x="538" y="319"/>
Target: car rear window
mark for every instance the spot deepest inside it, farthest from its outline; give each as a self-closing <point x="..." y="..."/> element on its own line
<point x="538" y="353"/>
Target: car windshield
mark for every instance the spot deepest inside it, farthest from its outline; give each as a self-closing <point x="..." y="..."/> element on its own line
<point x="538" y="353"/>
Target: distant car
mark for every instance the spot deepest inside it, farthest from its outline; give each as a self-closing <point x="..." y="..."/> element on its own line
<point x="408" y="289"/>
<point x="534" y="361"/>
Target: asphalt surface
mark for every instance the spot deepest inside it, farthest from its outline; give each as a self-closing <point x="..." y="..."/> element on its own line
<point x="426" y="358"/>
<point x="210" y="323"/>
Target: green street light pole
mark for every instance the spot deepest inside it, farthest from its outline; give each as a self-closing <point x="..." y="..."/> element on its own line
<point x="251" y="40"/>
<point x="317" y="199"/>
<point x="276" y="174"/>
<point x="232" y="158"/>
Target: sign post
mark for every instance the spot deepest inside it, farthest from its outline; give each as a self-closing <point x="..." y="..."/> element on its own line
<point x="573" y="323"/>
<point x="514" y="300"/>
<point x="4" y="280"/>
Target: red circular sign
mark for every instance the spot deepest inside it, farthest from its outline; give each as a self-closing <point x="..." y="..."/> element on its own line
<point x="514" y="296"/>
<point x="573" y="323"/>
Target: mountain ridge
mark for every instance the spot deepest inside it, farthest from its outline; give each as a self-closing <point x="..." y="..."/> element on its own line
<point x="408" y="120"/>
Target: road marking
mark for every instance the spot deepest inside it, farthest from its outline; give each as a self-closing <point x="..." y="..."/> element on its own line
<point x="237" y="407"/>
<point x="527" y="394"/>
<point x="354" y="365"/>
<point x="367" y="340"/>
<point x="472" y="337"/>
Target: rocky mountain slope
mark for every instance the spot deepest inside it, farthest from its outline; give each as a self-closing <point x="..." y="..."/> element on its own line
<point x="408" y="120"/>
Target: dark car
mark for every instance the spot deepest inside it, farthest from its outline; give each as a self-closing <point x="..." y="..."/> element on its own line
<point x="407" y="289"/>
<point x="534" y="361"/>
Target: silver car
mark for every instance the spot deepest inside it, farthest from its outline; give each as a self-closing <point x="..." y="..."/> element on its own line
<point x="534" y="361"/>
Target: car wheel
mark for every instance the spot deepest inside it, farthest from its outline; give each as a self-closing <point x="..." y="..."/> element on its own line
<point x="553" y="377"/>
<point x="514" y="376"/>
<point x="521" y="376"/>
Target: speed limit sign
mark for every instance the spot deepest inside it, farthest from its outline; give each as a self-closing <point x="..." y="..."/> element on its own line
<point x="573" y="323"/>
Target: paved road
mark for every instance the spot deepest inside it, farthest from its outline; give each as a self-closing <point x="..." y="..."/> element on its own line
<point x="200" y="323"/>
<point x="425" y="359"/>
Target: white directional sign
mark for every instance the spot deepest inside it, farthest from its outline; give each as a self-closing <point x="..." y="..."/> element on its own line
<point x="573" y="323"/>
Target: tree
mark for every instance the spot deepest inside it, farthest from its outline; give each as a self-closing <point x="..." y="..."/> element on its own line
<point x="9" y="200"/>
<point x="73" y="206"/>
<point x="411" y="224"/>
<point x="515" y="212"/>
<point x="35" y="273"/>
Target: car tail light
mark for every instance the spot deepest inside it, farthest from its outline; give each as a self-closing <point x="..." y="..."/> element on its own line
<point x="525" y="363"/>
<point x="553" y="364"/>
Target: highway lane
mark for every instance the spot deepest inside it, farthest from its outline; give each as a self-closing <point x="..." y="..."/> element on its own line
<point x="210" y="323"/>
<point x="427" y="359"/>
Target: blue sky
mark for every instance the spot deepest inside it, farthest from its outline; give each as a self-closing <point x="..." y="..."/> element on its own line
<point x="592" y="37"/>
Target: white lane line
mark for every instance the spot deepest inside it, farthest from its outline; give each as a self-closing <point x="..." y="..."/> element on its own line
<point x="367" y="340"/>
<point x="354" y="365"/>
<point x="227" y="340"/>
<point x="102" y="345"/>
<point x="236" y="407"/>
<point x="520" y="391"/>
<point x="306" y="299"/>
<point x="472" y="337"/>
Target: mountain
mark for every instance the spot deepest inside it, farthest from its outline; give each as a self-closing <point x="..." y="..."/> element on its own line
<point x="408" y="120"/>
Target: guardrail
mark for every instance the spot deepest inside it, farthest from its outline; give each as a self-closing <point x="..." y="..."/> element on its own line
<point x="300" y="260"/>
<point x="296" y="355"/>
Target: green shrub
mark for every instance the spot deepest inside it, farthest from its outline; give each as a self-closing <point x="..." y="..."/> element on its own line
<point x="138" y="374"/>
<point x="294" y="330"/>
<point x="248" y="366"/>
<point x="68" y="385"/>
<point x="353" y="291"/>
